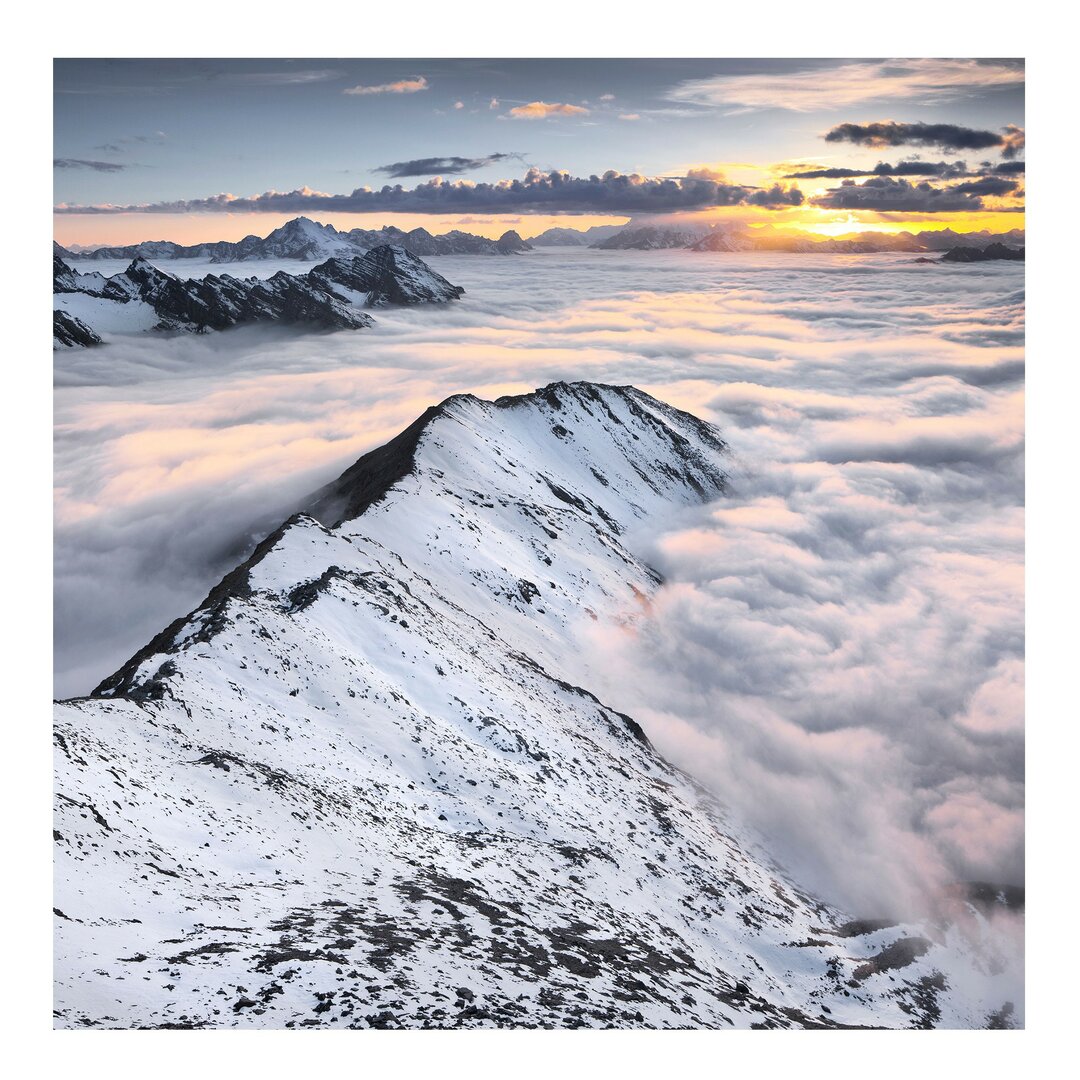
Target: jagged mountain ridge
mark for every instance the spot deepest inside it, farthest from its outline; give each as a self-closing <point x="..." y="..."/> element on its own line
<point x="310" y="241"/>
<point x="330" y="296"/>
<point x="360" y="785"/>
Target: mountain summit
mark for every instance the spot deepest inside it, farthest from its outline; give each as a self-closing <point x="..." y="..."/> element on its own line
<point x="365" y="784"/>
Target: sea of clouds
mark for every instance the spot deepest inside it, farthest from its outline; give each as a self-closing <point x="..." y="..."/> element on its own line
<point x="838" y="650"/>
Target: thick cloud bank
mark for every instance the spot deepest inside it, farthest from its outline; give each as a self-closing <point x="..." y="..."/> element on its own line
<point x="838" y="651"/>
<point x="552" y="192"/>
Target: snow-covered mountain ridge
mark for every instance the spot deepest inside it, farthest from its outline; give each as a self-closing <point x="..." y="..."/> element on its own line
<point x="357" y="786"/>
<point x="330" y="296"/>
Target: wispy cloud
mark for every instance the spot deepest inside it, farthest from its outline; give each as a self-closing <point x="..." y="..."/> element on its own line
<point x="543" y="110"/>
<point x="402" y="86"/>
<point x="851" y="84"/>
<point x="437" y="166"/>
<point x="121" y="144"/>
<point x="83" y="163"/>
<point x="278" y="78"/>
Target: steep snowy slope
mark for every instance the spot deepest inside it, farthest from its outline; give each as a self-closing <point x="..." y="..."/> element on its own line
<point x="356" y="787"/>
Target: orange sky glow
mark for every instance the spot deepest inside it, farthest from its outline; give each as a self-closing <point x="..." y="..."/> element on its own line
<point x="96" y="230"/>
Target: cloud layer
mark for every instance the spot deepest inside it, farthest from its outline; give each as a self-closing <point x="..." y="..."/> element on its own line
<point x="83" y="163"/>
<point x="886" y="194"/>
<point x="538" y="192"/>
<point x="838" y="652"/>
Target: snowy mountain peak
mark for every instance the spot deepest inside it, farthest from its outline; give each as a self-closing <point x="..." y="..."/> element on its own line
<point x="367" y="774"/>
<point x="387" y="274"/>
<point x="601" y="441"/>
<point x="302" y="226"/>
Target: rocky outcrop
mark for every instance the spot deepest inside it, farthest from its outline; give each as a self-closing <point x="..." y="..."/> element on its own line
<point x="986" y="254"/>
<point x="69" y="331"/>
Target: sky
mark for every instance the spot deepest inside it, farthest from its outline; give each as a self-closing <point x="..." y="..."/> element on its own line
<point x="838" y="651"/>
<point x="202" y="150"/>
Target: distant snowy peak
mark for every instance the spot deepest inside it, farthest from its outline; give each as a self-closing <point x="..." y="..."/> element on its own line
<point x="719" y="240"/>
<point x="388" y="274"/>
<point x="511" y="243"/>
<point x="565" y="237"/>
<point x="303" y="239"/>
<point x="649" y="238"/>
<point x="332" y="296"/>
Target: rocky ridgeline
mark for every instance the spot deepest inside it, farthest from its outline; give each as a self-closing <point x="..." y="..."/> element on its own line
<point x="332" y="295"/>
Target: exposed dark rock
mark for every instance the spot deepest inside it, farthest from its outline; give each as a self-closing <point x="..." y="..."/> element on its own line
<point x="986" y="254"/>
<point x="71" y="332"/>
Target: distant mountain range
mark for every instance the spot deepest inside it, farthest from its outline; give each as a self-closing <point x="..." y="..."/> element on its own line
<point x="333" y="295"/>
<point x="563" y="237"/>
<point x="653" y="237"/>
<point x="308" y="241"/>
<point x="311" y="241"/>
<point x="648" y="238"/>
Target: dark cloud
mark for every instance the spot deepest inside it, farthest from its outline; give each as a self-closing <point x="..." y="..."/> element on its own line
<point x="948" y="136"/>
<point x="884" y="193"/>
<point x="82" y="163"/>
<point x="946" y="170"/>
<point x="988" y="185"/>
<point x="775" y="196"/>
<point x="1007" y="168"/>
<point x="540" y="192"/>
<point x="435" y="166"/>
